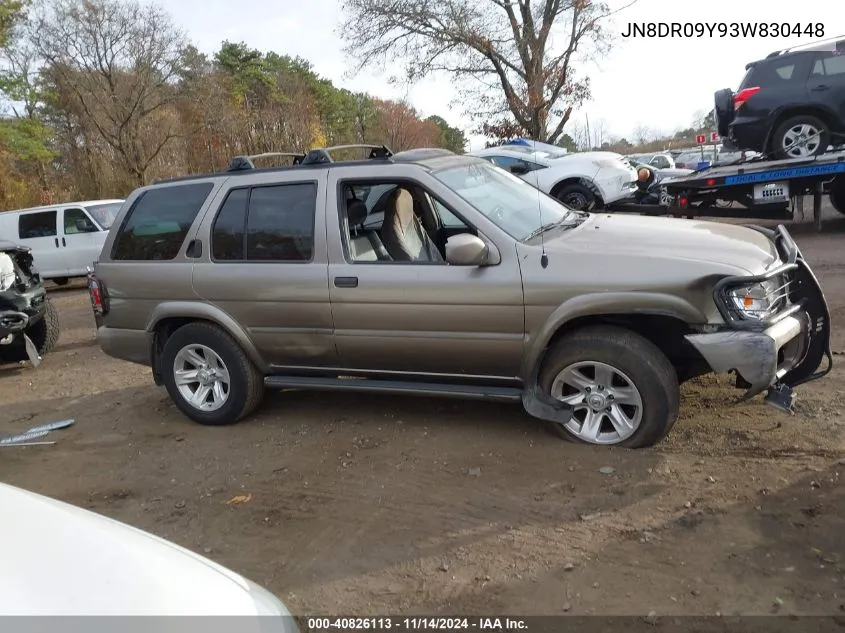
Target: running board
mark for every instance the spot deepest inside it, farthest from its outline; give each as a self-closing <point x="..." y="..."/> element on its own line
<point x="478" y="392"/>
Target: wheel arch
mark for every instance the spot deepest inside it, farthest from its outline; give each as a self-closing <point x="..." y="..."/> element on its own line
<point x="661" y="319"/>
<point x="826" y="116"/>
<point x="170" y="316"/>
<point x="579" y="180"/>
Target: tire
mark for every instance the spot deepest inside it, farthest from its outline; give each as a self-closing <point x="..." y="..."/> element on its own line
<point x="632" y="359"/>
<point x="45" y="333"/>
<point x="837" y="194"/>
<point x="61" y="281"/>
<point x="246" y="384"/>
<point x="577" y="196"/>
<point x="805" y="123"/>
<point x="724" y="111"/>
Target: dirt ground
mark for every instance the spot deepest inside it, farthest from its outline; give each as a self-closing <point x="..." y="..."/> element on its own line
<point x="368" y="505"/>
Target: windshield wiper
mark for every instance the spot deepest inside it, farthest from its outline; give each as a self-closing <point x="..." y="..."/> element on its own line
<point x="565" y="222"/>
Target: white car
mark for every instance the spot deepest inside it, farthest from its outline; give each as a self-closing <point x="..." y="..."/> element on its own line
<point x="583" y="180"/>
<point x="62" y="560"/>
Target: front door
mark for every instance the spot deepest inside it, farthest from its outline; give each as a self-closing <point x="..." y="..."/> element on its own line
<point x="81" y="240"/>
<point x="39" y="231"/>
<point x="424" y="316"/>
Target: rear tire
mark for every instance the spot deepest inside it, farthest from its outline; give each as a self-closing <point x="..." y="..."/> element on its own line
<point x="61" y="281"/>
<point x="792" y="129"/>
<point x="577" y="196"/>
<point x="222" y="354"/>
<point x="837" y="194"/>
<point x="643" y="386"/>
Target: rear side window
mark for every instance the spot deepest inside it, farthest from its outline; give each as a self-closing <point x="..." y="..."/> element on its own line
<point x="31" y="225"/>
<point x="789" y="71"/>
<point x="269" y="223"/>
<point x="158" y="222"/>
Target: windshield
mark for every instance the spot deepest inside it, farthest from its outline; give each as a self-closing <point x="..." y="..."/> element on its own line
<point x="104" y="214"/>
<point x="512" y="204"/>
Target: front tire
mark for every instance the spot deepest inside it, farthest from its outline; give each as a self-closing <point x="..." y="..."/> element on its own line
<point x="801" y="136"/>
<point x="623" y="389"/>
<point x="208" y="376"/>
<point x="45" y="333"/>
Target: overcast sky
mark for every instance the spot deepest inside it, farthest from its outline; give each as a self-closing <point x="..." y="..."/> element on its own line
<point x="653" y="82"/>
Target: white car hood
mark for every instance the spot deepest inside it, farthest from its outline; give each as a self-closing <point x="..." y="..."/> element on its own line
<point x="58" y="559"/>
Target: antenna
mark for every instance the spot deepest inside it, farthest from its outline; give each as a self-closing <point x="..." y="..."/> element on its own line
<point x="544" y="258"/>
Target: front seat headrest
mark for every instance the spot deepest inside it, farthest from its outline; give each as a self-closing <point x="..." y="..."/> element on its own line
<point x="356" y="213"/>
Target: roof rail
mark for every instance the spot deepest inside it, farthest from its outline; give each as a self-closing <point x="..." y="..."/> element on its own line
<point x="323" y="154"/>
<point x="240" y="163"/>
<point x="838" y="43"/>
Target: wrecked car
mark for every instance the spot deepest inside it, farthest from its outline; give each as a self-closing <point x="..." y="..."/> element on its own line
<point x="434" y="274"/>
<point x="29" y="322"/>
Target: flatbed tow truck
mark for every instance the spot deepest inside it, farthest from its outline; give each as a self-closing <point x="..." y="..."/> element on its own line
<point x="768" y="189"/>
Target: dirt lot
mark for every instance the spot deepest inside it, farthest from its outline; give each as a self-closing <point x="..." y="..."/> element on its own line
<point x="373" y="505"/>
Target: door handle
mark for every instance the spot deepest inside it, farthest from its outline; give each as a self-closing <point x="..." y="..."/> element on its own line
<point x="821" y="88"/>
<point x="63" y="242"/>
<point x="346" y="282"/>
<point x="57" y="242"/>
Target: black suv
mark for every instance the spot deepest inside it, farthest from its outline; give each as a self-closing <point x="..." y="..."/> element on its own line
<point x="789" y="105"/>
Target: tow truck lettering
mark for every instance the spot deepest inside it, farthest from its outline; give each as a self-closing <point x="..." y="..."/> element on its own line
<point x="783" y="174"/>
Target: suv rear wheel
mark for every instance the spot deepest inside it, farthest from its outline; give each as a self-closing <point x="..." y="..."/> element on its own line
<point x="622" y="388"/>
<point x="837" y="194"/>
<point x="208" y="376"/>
<point x="801" y="137"/>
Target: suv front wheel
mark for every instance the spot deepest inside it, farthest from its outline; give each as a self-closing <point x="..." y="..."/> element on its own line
<point x="622" y="389"/>
<point x="208" y="376"/>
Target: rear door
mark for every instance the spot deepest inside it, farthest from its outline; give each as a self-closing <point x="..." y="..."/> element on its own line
<point x="39" y="230"/>
<point x="267" y="268"/>
<point x="827" y="83"/>
<point x="81" y="240"/>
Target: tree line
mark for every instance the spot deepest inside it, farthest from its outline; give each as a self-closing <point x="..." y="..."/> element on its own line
<point x="103" y="96"/>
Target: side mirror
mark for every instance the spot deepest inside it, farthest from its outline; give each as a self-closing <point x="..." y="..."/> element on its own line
<point x="518" y="169"/>
<point x="466" y="249"/>
<point x="84" y="226"/>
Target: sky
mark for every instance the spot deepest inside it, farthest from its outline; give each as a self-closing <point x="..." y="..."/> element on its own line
<point x="658" y="83"/>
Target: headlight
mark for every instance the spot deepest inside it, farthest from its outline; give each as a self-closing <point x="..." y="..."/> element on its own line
<point x="757" y="301"/>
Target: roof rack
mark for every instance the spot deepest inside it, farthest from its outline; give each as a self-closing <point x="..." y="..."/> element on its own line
<point x="831" y="43"/>
<point x="240" y="163"/>
<point x="323" y="154"/>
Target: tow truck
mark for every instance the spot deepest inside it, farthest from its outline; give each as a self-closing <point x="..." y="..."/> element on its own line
<point x="768" y="189"/>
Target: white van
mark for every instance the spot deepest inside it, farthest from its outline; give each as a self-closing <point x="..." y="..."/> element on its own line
<point x="65" y="238"/>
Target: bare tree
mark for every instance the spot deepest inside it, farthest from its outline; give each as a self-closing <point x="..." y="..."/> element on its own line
<point x="118" y="62"/>
<point x="642" y="134"/>
<point x="506" y="46"/>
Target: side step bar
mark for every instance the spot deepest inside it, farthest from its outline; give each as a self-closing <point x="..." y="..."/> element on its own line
<point x="478" y="392"/>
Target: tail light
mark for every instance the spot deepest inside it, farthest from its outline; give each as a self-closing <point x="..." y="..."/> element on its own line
<point x="96" y="291"/>
<point x="744" y="95"/>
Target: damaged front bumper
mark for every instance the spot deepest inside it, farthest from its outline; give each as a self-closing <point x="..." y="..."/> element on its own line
<point x="783" y="351"/>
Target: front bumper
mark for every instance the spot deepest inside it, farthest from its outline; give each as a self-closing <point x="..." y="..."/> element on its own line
<point x="786" y="349"/>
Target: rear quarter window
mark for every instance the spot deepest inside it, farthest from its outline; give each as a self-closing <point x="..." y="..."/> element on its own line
<point x="787" y="71"/>
<point x="158" y="222"/>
